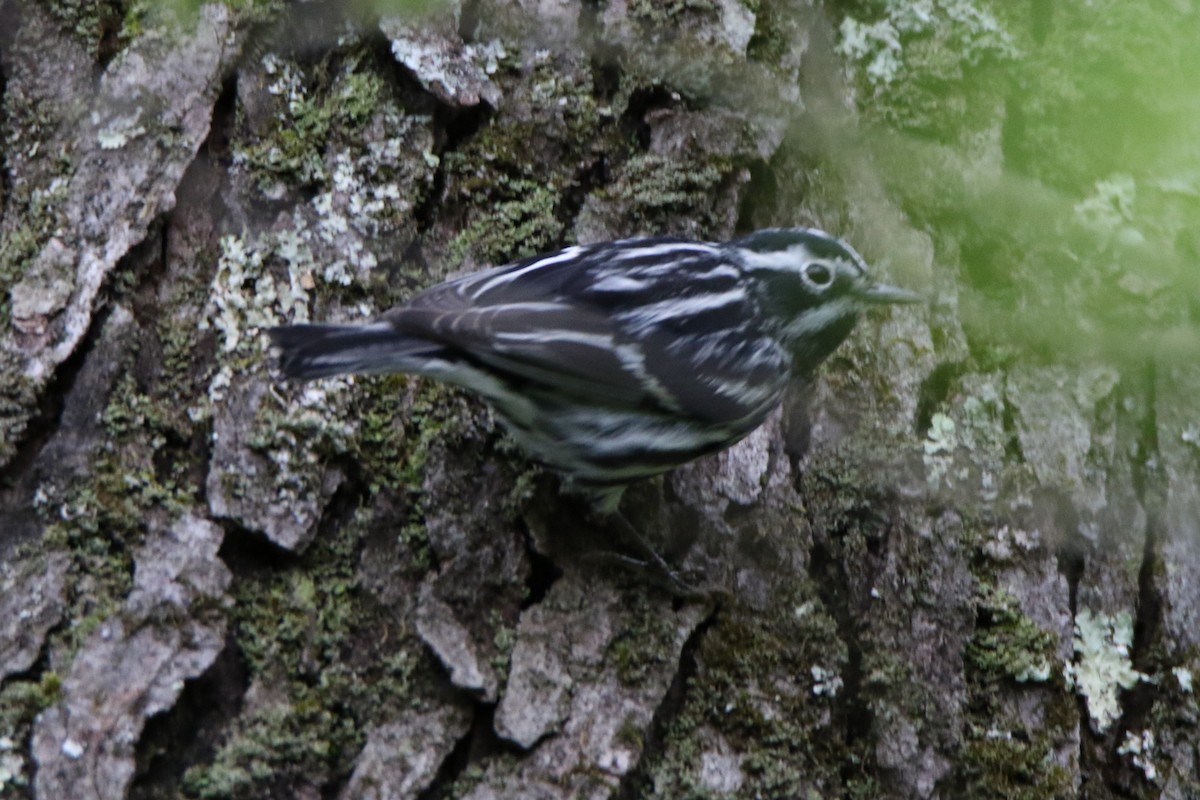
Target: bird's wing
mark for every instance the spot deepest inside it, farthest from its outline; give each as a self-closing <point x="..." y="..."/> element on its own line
<point x="572" y="350"/>
<point x="591" y="322"/>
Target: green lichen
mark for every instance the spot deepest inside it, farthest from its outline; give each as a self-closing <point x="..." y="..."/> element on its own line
<point x="296" y="431"/>
<point x="1103" y="666"/>
<point x="1183" y="678"/>
<point x="1002" y="758"/>
<point x="1140" y="748"/>
<point x="1006" y="644"/>
<point x="306" y="108"/>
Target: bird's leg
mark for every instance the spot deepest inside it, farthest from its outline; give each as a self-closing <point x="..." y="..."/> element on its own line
<point x="651" y="560"/>
<point x="606" y="507"/>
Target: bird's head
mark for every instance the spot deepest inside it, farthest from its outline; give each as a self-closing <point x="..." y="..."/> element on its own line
<point x="812" y="287"/>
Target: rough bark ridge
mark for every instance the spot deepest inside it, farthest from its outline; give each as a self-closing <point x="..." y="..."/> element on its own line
<point x="962" y="562"/>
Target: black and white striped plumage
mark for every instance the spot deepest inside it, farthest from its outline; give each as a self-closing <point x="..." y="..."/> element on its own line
<point x="616" y="361"/>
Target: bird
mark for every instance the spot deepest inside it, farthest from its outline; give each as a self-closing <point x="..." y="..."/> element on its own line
<point x="616" y="361"/>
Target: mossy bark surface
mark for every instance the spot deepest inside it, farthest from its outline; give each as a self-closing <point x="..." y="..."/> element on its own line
<point x="961" y="561"/>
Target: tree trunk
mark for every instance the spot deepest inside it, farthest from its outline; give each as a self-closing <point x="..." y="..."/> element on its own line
<point x="960" y="561"/>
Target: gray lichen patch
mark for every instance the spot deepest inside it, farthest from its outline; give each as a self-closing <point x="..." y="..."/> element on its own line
<point x="455" y="72"/>
<point x="337" y="132"/>
<point x="257" y="432"/>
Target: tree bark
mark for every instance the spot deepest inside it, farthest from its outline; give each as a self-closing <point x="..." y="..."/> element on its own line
<point x="960" y="561"/>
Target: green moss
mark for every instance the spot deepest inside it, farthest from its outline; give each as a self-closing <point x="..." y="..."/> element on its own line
<point x="467" y="780"/>
<point x="651" y="189"/>
<point x="143" y="471"/>
<point x="518" y="228"/>
<point x="511" y="206"/>
<point x="401" y="418"/>
<point x="306" y="108"/>
<point x="638" y="650"/>
<point x="184" y="374"/>
<point x="22" y="700"/>
<point x="92" y="22"/>
<point x="389" y="455"/>
<point x="630" y="734"/>
<point x="330" y="662"/>
<point x="35" y="212"/>
<point x="1001" y="758"/>
<point x="753" y="687"/>
<point x="657" y="183"/>
<point x="1003" y="768"/>
<point x="664" y="12"/>
<point x="273" y="744"/>
<point x="17" y="247"/>
<point x="769" y="43"/>
<point x="503" y="640"/>
<point x="510" y="201"/>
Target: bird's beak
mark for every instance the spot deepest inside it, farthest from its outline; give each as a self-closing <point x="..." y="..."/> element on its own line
<point x="880" y="294"/>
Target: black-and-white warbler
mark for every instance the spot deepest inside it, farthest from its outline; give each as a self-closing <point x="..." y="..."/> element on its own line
<point x="616" y="361"/>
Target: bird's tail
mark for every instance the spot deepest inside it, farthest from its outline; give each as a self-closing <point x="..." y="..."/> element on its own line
<point x="318" y="351"/>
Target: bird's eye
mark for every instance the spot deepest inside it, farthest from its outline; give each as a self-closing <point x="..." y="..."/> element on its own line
<point x="819" y="275"/>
